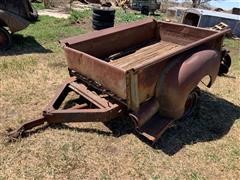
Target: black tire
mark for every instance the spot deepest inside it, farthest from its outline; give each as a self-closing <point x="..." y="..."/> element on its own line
<point x="102" y="23"/>
<point x="191" y="103"/>
<point x="225" y="64"/>
<point x="145" y="10"/>
<point x="104" y="18"/>
<point x="5" y="39"/>
<point x="105" y="11"/>
<point x="100" y="27"/>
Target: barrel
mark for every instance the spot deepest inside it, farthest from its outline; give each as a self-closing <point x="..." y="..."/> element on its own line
<point x="103" y="17"/>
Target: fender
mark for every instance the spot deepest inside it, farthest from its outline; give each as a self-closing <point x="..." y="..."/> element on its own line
<point x="181" y="76"/>
<point x="14" y="22"/>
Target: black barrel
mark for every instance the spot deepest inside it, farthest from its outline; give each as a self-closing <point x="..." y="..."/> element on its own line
<point x="103" y="17"/>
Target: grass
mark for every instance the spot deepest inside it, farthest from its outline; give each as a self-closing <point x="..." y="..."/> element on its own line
<point x="234" y="47"/>
<point x="206" y="146"/>
<point x="77" y="16"/>
<point x="38" y="6"/>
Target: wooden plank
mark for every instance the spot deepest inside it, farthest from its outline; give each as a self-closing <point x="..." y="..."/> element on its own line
<point x="144" y="54"/>
<point x="140" y="52"/>
<point x="162" y="52"/>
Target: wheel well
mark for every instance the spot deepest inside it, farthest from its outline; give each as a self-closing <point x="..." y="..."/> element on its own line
<point x="207" y="81"/>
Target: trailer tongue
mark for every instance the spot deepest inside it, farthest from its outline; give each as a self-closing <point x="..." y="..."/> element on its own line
<point x="91" y="107"/>
<point x="94" y="105"/>
<point x="148" y="71"/>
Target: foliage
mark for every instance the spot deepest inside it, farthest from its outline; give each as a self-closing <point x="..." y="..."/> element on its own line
<point x="76" y="16"/>
<point x="38" y="6"/>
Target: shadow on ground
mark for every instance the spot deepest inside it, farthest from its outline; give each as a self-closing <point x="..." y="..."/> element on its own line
<point x="212" y="120"/>
<point x="24" y="45"/>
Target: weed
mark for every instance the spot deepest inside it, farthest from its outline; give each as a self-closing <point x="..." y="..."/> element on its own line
<point x="76" y="16"/>
<point x="205" y="146"/>
<point x="38" y="6"/>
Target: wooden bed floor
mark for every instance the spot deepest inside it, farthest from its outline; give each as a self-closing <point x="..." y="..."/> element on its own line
<point x="145" y="54"/>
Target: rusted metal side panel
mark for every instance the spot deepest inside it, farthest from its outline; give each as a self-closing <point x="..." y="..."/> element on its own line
<point x="181" y="76"/>
<point x="112" y="40"/>
<point x="148" y="74"/>
<point x="132" y="90"/>
<point x="136" y="85"/>
<point x="147" y="79"/>
<point x="182" y="34"/>
<point x="211" y="41"/>
<point x="105" y="74"/>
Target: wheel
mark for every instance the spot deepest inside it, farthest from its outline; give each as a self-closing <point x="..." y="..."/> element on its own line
<point x="225" y="64"/>
<point x="104" y="18"/>
<point x="191" y="103"/>
<point x="5" y="39"/>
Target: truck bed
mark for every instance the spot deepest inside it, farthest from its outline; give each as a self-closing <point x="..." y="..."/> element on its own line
<point x="145" y="54"/>
<point x="127" y="60"/>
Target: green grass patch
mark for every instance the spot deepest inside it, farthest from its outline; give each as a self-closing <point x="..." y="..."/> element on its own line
<point x="45" y="33"/>
<point x="76" y="16"/>
<point x="234" y="47"/>
<point x="195" y="176"/>
<point x="122" y="16"/>
<point x="130" y="16"/>
<point x="38" y="6"/>
<point x="49" y="29"/>
<point x="231" y="43"/>
<point x="20" y="65"/>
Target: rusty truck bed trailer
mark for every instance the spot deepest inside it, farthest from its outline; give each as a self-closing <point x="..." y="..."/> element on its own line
<point x="148" y="70"/>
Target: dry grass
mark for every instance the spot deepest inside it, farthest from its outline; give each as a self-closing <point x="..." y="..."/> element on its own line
<point x="206" y="146"/>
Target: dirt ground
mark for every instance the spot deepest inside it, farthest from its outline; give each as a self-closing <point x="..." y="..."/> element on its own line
<point x="205" y="146"/>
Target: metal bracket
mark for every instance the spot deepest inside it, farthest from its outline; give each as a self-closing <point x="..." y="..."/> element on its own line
<point x="93" y="108"/>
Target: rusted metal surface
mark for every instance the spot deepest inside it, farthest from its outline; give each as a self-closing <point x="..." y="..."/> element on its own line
<point x="109" y="76"/>
<point x="21" y="8"/>
<point x="130" y="80"/>
<point x="94" y="108"/>
<point x="146" y="69"/>
<point x="180" y="77"/>
<point x="16" y="14"/>
<point x="14" y="22"/>
<point x="102" y="43"/>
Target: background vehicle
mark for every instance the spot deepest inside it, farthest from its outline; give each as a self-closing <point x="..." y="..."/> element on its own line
<point x="15" y="15"/>
<point x="145" y="6"/>
<point x="207" y="18"/>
